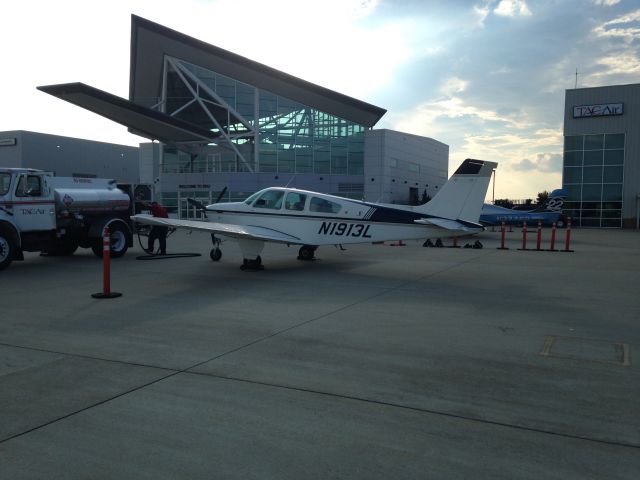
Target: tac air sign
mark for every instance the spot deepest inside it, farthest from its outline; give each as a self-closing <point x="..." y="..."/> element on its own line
<point x="604" y="110"/>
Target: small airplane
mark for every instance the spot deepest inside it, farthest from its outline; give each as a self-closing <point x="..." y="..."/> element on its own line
<point x="548" y="213"/>
<point x="310" y="219"/>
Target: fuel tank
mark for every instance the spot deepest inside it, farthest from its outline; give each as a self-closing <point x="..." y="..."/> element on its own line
<point x="90" y="200"/>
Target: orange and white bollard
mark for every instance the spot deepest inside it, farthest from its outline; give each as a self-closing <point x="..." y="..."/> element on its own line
<point x="524" y="236"/>
<point x="106" y="268"/>
<point x="552" y="247"/>
<point x="502" y="235"/>
<point x="568" y="237"/>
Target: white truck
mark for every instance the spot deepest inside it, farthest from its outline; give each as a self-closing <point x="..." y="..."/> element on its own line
<point x="40" y="212"/>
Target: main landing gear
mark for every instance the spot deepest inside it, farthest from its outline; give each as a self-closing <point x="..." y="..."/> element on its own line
<point x="251" y="250"/>
<point x="307" y="252"/>
<point x="215" y="253"/>
<point x="249" y="264"/>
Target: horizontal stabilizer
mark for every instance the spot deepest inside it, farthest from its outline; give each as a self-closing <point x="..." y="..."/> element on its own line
<point x="450" y="224"/>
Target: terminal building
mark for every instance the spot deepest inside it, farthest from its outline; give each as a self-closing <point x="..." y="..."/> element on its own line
<point x="601" y="161"/>
<point x="228" y="126"/>
<point x="70" y="157"/>
<point x="74" y="157"/>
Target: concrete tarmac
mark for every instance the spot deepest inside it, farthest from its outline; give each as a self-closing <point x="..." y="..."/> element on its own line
<point x="379" y="361"/>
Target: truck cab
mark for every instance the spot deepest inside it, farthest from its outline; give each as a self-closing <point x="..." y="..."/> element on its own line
<point x="31" y="201"/>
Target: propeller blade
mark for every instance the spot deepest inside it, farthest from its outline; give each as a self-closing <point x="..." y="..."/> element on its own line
<point x="224" y="190"/>
<point x="195" y="203"/>
<point x="200" y="207"/>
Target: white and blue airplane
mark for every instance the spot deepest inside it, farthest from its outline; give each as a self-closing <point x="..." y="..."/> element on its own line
<point x="310" y="219"/>
<point x="547" y="214"/>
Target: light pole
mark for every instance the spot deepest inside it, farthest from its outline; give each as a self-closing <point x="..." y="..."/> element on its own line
<point x="494" y="187"/>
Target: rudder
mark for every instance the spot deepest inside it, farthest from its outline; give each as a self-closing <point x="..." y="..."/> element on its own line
<point x="462" y="197"/>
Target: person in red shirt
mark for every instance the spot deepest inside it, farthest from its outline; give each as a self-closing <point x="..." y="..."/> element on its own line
<point x="158" y="232"/>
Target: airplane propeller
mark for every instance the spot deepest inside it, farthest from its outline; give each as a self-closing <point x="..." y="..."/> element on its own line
<point x="199" y="206"/>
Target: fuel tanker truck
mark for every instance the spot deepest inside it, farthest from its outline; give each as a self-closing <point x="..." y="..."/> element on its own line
<point x="40" y="212"/>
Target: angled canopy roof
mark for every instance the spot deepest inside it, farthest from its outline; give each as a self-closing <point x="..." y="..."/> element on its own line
<point x="141" y="120"/>
<point x="150" y="42"/>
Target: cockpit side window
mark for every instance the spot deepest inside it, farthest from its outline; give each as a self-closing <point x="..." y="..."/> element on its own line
<point x="5" y="183"/>
<point x="295" y="201"/>
<point x="324" y="206"/>
<point x="32" y="187"/>
<point x="270" y="199"/>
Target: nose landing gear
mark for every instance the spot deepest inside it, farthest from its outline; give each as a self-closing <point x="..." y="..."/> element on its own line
<point x="215" y="253"/>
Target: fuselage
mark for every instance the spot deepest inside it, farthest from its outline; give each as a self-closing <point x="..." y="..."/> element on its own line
<point x="494" y="215"/>
<point x="321" y="219"/>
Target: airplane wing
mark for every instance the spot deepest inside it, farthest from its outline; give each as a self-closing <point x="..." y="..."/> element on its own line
<point x="227" y="229"/>
<point x="450" y="224"/>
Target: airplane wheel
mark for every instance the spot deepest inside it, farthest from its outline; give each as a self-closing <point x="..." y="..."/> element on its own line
<point x="306" y="252"/>
<point x="215" y="254"/>
<point x="255" y="265"/>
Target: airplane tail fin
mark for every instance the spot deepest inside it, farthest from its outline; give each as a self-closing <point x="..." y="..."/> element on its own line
<point x="461" y="198"/>
<point x="554" y="202"/>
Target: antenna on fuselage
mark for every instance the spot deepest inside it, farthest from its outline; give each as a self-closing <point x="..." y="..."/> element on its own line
<point x="290" y="180"/>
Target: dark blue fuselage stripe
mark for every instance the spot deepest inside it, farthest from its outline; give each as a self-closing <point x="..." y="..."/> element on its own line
<point x="375" y="218"/>
<point x="377" y="215"/>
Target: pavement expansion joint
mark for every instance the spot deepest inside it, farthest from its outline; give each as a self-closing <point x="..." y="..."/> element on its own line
<point x="587" y="349"/>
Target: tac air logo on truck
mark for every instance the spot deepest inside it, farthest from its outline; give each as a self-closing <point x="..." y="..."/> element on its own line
<point x="344" y="229"/>
<point x="33" y="211"/>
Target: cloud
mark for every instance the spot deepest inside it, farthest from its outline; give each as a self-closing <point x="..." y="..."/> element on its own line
<point x="481" y="13"/>
<point x="544" y="162"/>
<point x="606" y="3"/>
<point x="453" y="85"/>
<point x="512" y="8"/>
<point x="624" y="27"/>
<point x="621" y="64"/>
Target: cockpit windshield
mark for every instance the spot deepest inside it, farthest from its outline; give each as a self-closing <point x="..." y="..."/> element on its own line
<point x="252" y="198"/>
<point x="270" y="199"/>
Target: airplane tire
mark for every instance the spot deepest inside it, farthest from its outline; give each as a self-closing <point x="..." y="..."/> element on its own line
<point x="306" y="252"/>
<point x="215" y="254"/>
<point x="255" y="265"/>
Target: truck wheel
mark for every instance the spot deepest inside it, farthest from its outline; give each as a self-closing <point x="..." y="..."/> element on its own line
<point x="7" y="250"/>
<point x="118" y="239"/>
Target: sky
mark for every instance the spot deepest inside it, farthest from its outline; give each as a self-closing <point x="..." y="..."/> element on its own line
<point x="486" y="77"/>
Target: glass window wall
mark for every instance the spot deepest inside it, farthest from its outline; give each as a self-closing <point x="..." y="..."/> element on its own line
<point x="593" y="176"/>
<point x="258" y="130"/>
